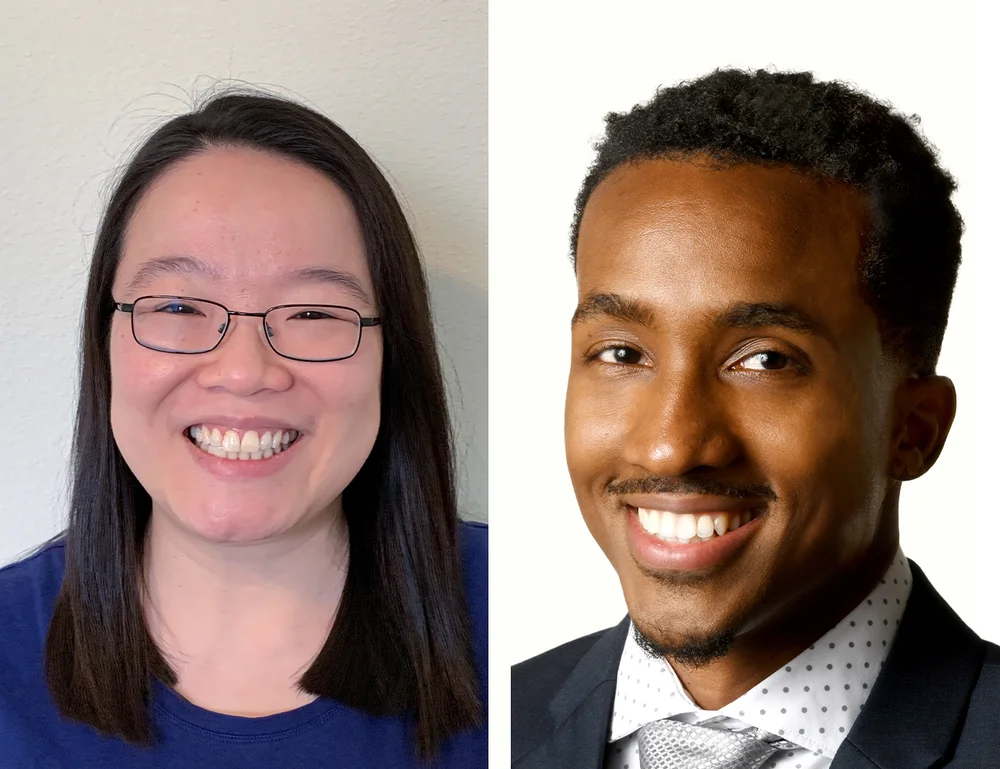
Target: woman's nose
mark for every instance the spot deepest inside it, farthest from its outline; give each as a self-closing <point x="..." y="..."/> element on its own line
<point x="244" y="362"/>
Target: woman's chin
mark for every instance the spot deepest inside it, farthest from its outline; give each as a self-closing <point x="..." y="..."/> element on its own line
<point x="233" y="527"/>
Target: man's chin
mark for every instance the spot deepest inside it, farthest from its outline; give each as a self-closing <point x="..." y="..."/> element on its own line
<point x="690" y="651"/>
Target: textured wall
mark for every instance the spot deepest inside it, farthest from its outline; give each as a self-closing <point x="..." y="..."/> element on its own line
<point x="84" y="82"/>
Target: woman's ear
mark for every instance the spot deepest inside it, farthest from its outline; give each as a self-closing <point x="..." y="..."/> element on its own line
<point x="925" y="412"/>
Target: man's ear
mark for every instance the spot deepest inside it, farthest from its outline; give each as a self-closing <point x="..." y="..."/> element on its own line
<point x="925" y="410"/>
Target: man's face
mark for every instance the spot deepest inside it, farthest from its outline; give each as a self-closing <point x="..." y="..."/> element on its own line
<point x="726" y="377"/>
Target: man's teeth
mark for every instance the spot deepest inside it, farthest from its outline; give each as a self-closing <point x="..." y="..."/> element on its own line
<point x="685" y="527"/>
<point x="230" y="445"/>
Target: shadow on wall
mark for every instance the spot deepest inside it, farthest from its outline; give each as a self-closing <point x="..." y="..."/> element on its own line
<point x="448" y="218"/>
<point x="460" y="320"/>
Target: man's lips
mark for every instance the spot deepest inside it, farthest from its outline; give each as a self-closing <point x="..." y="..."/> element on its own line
<point x="697" y="534"/>
<point x="693" y="503"/>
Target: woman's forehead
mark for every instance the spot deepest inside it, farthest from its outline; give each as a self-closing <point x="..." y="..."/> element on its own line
<point x="243" y="215"/>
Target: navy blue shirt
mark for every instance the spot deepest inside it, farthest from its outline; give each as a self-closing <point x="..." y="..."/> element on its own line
<point x="323" y="733"/>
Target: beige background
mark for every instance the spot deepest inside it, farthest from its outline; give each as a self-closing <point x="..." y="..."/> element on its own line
<point x="84" y="81"/>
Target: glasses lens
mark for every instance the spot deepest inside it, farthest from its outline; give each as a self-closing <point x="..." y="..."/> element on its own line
<point x="314" y="332"/>
<point x="177" y="324"/>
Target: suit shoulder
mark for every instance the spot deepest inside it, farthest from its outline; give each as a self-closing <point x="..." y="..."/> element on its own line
<point x="537" y="679"/>
<point x="979" y="738"/>
<point x="989" y="677"/>
<point x="535" y="683"/>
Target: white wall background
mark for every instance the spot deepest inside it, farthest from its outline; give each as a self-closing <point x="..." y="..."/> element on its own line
<point x="554" y="73"/>
<point x="85" y="80"/>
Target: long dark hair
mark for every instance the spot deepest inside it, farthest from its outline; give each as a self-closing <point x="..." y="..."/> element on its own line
<point x="400" y="641"/>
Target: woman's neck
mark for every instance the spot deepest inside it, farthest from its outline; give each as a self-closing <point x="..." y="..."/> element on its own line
<point x="240" y="623"/>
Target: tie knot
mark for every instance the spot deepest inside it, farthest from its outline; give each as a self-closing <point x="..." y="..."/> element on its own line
<point x="675" y="745"/>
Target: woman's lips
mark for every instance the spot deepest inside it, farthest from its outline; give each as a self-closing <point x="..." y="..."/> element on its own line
<point x="238" y="469"/>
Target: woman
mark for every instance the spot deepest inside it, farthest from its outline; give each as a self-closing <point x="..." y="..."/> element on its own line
<point x="263" y="564"/>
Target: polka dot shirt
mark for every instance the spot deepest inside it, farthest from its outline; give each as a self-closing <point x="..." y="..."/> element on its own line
<point x="812" y="702"/>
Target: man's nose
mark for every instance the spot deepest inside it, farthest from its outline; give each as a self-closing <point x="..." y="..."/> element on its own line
<point x="680" y="424"/>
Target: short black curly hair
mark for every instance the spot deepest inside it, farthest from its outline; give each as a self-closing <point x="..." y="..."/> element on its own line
<point x="913" y="239"/>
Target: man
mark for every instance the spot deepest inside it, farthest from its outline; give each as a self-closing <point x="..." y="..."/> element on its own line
<point x="765" y="265"/>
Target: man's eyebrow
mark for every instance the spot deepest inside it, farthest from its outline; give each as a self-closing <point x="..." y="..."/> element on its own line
<point x="613" y="306"/>
<point x="329" y="275"/>
<point x="740" y="315"/>
<point x="170" y="265"/>
<point x="186" y="266"/>
<point x="762" y="314"/>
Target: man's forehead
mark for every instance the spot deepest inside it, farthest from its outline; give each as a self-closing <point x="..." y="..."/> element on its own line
<point x="691" y="240"/>
<point x="687" y="219"/>
<point x="744" y="207"/>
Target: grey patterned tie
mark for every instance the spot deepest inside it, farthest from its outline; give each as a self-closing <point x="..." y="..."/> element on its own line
<point x="675" y="745"/>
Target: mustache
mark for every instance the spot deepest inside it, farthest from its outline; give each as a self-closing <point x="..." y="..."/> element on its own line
<point x="652" y="484"/>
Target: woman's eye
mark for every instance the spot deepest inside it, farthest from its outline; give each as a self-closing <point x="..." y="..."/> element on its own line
<point x="626" y="356"/>
<point x="177" y="308"/>
<point x="311" y="315"/>
<point x="768" y="360"/>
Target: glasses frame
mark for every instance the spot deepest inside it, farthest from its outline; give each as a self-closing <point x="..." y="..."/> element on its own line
<point x="363" y="322"/>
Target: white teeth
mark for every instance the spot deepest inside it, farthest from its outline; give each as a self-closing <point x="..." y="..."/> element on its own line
<point x="652" y="520"/>
<point x="231" y="441"/>
<point x="687" y="527"/>
<point x="250" y="442"/>
<point x="229" y="445"/>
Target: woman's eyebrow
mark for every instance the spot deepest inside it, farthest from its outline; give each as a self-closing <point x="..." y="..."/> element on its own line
<point x="329" y="275"/>
<point x="171" y="265"/>
<point x="187" y="266"/>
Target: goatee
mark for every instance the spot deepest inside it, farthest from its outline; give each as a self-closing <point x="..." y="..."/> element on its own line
<point x="693" y="652"/>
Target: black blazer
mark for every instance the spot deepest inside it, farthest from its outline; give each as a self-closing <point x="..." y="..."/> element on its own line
<point x="935" y="703"/>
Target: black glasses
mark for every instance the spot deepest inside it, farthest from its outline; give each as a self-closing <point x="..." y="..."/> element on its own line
<point x="315" y="333"/>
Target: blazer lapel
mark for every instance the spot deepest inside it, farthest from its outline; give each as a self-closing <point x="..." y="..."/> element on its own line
<point x="581" y="709"/>
<point x="919" y="699"/>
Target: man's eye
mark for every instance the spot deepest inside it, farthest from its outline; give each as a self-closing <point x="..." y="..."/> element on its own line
<point x="767" y="360"/>
<point x="627" y="356"/>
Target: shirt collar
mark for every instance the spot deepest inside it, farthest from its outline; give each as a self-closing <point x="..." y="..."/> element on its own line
<point x="812" y="701"/>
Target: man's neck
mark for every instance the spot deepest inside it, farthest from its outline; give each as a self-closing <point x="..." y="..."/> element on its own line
<point x="239" y="624"/>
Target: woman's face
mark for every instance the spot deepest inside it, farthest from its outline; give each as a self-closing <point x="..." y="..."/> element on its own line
<point x="250" y="231"/>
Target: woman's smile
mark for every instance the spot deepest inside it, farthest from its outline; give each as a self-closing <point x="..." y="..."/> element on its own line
<point x="231" y="443"/>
